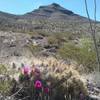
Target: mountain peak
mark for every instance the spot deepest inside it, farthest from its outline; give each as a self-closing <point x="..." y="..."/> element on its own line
<point x="55" y="5"/>
<point x="50" y="10"/>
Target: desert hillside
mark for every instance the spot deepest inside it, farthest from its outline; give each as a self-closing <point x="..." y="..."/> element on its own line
<point x="58" y="43"/>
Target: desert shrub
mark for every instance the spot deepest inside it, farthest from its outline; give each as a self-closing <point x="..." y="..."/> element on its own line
<point x="31" y="33"/>
<point x="4" y="82"/>
<point x="35" y="49"/>
<point x="64" y="36"/>
<point x="3" y="69"/>
<point x="52" y="40"/>
<point x="59" y="38"/>
<point x="68" y="50"/>
<point x="83" y="55"/>
<point x="5" y="86"/>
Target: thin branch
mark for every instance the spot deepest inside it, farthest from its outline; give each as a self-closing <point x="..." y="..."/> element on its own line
<point x="25" y="97"/>
<point x="93" y="33"/>
<point x="16" y="92"/>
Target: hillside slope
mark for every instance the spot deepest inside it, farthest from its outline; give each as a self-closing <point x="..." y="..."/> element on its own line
<point x="49" y="27"/>
<point x="50" y="18"/>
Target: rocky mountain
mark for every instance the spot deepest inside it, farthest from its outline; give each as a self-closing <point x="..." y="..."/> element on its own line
<point x="49" y="12"/>
<point x="50" y="18"/>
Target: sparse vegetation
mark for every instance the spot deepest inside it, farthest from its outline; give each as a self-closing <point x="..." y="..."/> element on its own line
<point x="3" y="69"/>
<point x="35" y="49"/>
<point x="5" y="86"/>
<point x="84" y="54"/>
<point x="5" y="83"/>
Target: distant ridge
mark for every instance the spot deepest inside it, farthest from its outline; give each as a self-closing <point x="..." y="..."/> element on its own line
<point x="51" y="18"/>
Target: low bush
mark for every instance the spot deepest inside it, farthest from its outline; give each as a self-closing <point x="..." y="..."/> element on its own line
<point x="83" y="55"/>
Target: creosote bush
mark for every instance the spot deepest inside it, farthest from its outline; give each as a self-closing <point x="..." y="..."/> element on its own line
<point x="3" y="69"/>
<point x="5" y="83"/>
<point x="84" y="55"/>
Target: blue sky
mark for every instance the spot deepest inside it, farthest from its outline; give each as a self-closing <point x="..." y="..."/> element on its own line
<point x="24" y="6"/>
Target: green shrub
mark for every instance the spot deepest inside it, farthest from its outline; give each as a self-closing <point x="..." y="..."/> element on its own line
<point x="52" y="40"/>
<point x="83" y="55"/>
<point x="35" y="49"/>
<point x="5" y="86"/>
<point x="3" y="69"/>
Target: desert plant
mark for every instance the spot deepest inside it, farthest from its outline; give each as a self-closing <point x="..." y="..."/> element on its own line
<point x="5" y="83"/>
<point x="3" y="69"/>
<point x="34" y="49"/>
<point x="84" y="55"/>
<point x="5" y="86"/>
